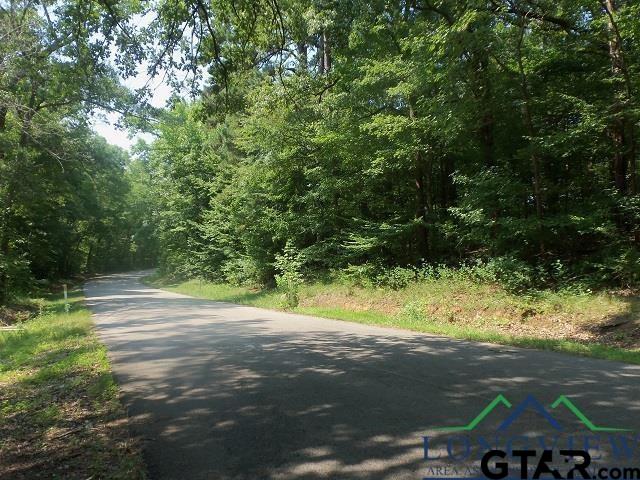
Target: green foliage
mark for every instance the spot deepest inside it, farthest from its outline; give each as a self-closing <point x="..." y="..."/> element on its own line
<point x="289" y="277"/>
<point x="63" y="191"/>
<point x="385" y="142"/>
<point x="240" y="271"/>
<point x="514" y="274"/>
<point x="363" y="275"/>
<point x="413" y="313"/>
<point x="500" y="139"/>
<point x="622" y="267"/>
<point x="17" y="269"/>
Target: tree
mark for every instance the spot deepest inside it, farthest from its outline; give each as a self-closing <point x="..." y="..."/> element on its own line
<point x="54" y="71"/>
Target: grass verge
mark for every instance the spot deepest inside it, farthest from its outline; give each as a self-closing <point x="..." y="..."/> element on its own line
<point x="60" y="415"/>
<point x="598" y="325"/>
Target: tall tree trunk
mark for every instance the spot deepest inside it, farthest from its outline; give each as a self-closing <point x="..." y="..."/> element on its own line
<point x="422" y="180"/>
<point x="486" y="131"/>
<point x="482" y="93"/>
<point x="3" y="118"/>
<point x="4" y="278"/>
<point x="326" y="52"/>
<point x="447" y="187"/>
<point x="423" y="200"/>
<point x="633" y="156"/>
<point x="302" y="56"/>
<point x="320" y="53"/>
<point x="619" y="162"/>
<point x="5" y="246"/>
<point x="622" y="130"/>
<point x="4" y="206"/>
<point x="531" y="132"/>
<point x="89" y="263"/>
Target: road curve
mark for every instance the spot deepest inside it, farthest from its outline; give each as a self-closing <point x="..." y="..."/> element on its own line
<point x="221" y="391"/>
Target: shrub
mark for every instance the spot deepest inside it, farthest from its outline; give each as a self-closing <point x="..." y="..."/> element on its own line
<point x="369" y="275"/>
<point x="414" y="312"/>
<point x="19" y="279"/>
<point x="623" y="267"/>
<point x="512" y="273"/>
<point x="241" y="271"/>
<point x="396" y="277"/>
<point x="289" y="264"/>
<point x="360" y="275"/>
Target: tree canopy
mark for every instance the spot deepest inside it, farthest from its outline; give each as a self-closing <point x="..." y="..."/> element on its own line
<point x="341" y="134"/>
<point x="64" y="193"/>
<point x="402" y="133"/>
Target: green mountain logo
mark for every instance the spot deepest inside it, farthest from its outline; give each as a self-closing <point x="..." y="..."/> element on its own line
<point x="499" y="400"/>
<point x="563" y="400"/>
<point x="531" y="403"/>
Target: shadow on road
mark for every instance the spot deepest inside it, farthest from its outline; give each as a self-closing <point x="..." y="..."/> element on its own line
<point x="223" y="391"/>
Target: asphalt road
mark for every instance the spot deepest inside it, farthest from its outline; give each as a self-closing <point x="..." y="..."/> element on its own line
<point x="221" y="391"/>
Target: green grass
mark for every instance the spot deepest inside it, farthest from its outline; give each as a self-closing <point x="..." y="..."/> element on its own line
<point x="221" y="292"/>
<point x="60" y="415"/>
<point x="455" y="308"/>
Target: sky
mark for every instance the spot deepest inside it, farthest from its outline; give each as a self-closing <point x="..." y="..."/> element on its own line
<point x="106" y="126"/>
<point x="105" y="123"/>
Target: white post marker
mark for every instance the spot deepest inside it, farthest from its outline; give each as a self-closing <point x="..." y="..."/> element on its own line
<point x="66" y="303"/>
